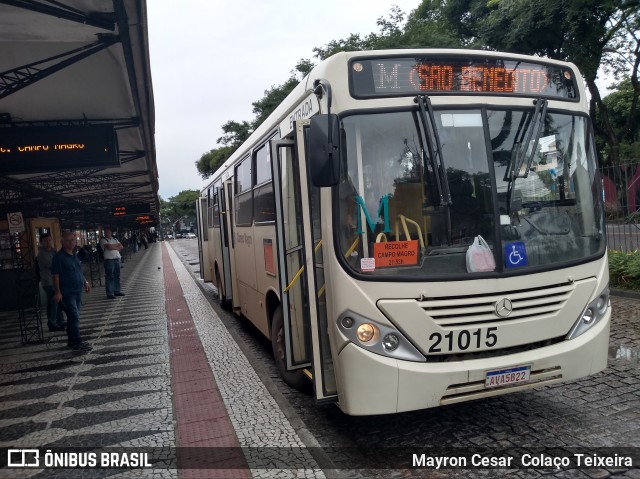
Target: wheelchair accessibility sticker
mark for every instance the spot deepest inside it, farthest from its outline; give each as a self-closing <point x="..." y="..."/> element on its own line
<point x="515" y="255"/>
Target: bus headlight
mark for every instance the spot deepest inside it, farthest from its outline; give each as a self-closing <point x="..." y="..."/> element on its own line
<point x="593" y="313"/>
<point x="377" y="338"/>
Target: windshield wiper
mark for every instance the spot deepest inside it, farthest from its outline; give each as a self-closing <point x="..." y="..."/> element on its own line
<point x="432" y="141"/>
<point x="526" y="151"/>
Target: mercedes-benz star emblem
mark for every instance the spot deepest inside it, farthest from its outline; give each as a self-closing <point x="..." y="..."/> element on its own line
<point x="504" y="307"/>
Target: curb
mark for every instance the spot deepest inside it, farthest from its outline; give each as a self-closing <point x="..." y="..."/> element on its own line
<point x="625" y="293"/>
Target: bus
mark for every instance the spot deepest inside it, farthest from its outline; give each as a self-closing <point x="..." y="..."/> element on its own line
<point x="415" y="228"/>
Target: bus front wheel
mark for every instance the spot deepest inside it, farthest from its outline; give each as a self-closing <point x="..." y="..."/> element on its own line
<point x="296" y="379"/>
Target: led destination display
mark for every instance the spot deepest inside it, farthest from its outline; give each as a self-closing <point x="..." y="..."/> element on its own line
<point x="133" y="209"/>
<point x="36" y="149"/>
<point x="473" y="75"/>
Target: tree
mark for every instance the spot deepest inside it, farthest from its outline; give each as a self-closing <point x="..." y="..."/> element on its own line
<point x="183" y="205"/>
<point x="589" y="33"/>
<point x="624" y="116"/>
<point x="212" y="160"/>
<point x="234" y="135"/>
<point x="274" y="96"/>
<point x="428" y="27"/>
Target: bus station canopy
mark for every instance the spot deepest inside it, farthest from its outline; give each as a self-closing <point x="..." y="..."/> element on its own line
<point x="76" y="111"/>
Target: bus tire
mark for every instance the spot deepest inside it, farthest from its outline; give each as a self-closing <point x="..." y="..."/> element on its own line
<point x="296" y="379"/>
<point x="224" y="302"/>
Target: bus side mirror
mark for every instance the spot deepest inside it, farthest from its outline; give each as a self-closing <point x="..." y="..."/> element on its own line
<point x="324" y="150"/>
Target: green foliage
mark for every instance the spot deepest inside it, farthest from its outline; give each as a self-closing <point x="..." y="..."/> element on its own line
<point x="624" y="115"/>
<point x="181" y="205"/>
<point x="209" y="162"/>
<point x="573" y="30"/>
<point x="235" y="134"/>
<point x="624" y="118"/>
<point x="428" y="27"/>
<point x="272" y="98"/>
<point x="350" y="44"/>
<point x="276" y="94"/>
<point x="589" y="33"/>
<point x="624" y="269"/>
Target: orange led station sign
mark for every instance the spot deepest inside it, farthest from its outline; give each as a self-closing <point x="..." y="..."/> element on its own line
<point x="37" y="149"/>
<point x="146" y="220"/>
<point x="133" y="209"/>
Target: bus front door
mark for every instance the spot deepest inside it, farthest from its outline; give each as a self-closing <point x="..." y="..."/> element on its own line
<point x="300" y="267"/>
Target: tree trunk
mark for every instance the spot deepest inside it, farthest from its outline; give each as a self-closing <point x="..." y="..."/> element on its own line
<point x="609" y="134"/>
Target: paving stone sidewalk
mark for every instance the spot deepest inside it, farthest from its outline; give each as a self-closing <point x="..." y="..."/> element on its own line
<point x="120" y="394"/>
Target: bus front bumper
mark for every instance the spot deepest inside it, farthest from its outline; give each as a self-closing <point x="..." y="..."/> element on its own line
<point x="375" y="384"/>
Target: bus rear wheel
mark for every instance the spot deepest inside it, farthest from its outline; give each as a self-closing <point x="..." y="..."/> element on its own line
<point x="296" y="379"/>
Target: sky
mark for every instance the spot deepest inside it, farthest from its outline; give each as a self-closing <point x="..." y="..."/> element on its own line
<point x="210" y="59"/>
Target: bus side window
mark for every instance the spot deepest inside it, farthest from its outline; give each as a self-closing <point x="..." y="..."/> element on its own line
<point x="244" y="193"/>
<point x="264" y="208"/>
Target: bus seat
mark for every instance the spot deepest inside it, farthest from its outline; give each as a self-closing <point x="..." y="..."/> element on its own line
<point x="408" y="200"/>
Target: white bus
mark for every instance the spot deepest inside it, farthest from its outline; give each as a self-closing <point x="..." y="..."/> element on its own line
<point x="414" y="228"/>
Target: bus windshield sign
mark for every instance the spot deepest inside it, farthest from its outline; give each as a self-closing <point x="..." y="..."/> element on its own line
<point x="402" y="76"/>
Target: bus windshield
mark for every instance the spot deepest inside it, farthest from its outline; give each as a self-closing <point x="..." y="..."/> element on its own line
<point x="532" y="198"/>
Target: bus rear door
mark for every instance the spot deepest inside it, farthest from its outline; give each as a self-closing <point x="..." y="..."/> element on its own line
<point x="202" y="210"/>
<point x="225" y="242"/>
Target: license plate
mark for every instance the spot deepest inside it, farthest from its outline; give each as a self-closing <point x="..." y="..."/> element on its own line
<point x="506" y="377"/>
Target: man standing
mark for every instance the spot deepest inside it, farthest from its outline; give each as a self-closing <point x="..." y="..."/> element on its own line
<point x="55" y="319"/>
<point x="111" y="248"/>
<point x="68" y="282"/>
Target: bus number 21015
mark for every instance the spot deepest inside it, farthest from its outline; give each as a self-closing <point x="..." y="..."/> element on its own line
<point x="462" y="340"/>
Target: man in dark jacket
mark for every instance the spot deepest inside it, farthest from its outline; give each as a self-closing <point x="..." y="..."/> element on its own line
<point x="68" y="284"/>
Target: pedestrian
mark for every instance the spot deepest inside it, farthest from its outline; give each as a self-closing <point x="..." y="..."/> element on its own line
<point x="134" y="241"/>
<point x="68" y="283"/>
<point x="46" y="252"/>
<point x="111" y="248"/>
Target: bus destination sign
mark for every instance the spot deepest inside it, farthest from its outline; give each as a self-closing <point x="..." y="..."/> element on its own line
<point x="393" y="76"/>
<point x="38" y="149"/>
